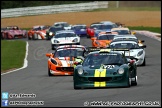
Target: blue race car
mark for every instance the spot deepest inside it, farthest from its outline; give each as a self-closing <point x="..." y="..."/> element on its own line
<point x="80" y="29"/>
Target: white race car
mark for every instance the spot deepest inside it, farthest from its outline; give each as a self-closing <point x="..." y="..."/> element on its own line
<point x="129" y="37"/>
<point x="65" y="37"/>
<point x="136" y="52"/>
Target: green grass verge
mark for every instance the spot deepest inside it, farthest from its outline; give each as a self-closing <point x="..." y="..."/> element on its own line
<point x="151" y="29"/>
<point x="12" y="54"/>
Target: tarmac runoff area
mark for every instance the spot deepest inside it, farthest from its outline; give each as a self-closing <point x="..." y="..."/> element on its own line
<point x="153" y="35"/>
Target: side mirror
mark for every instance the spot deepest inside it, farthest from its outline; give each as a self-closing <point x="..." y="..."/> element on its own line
<point x="48" y="54"/>
<point x="130" y="61"/>
<point x="85" y="54"/>
<point x="144" y="46"/>
<point x="142" y="41"/>
<point x="77" y="63"/>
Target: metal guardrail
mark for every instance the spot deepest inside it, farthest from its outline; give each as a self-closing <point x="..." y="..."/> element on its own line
<point x="16" y="12"/>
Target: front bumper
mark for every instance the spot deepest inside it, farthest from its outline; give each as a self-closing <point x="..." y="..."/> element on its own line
<point x="62" y="71"/>
<point x="108" y="81"/>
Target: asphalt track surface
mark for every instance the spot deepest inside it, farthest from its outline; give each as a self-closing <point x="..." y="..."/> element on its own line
<point x="58" y="91"/>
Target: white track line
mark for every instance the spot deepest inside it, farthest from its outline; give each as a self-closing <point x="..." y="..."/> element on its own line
<point x="25" y="62"/>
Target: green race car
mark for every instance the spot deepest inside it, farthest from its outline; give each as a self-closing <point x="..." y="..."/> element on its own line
<point x="105" y="68"/>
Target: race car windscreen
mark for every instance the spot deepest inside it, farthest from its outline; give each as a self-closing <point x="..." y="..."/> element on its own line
<point x="122" y="32"/>
<point x="67" y="52"/>
<point x="101" y="26"/>
<point x="54" y="29"/>
<point x="79" y="27"/>
<point x="124" y="45"/>
<point x="65" y="24"/>
<point x="105" y="37"/>
<point x="65" y="35"/>
<point x="103" y="59"/>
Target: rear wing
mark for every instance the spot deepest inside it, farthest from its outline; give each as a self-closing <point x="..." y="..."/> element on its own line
<point x="71" y="46"/>
<point x="103" y="49"/>
<point x="91" y="49"/>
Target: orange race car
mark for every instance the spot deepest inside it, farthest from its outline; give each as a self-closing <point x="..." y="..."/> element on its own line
<point x="104" y="39"/>
<point x="123" y="31"/>
<point x="64" y="59"/>
<point x="38" y="32"/>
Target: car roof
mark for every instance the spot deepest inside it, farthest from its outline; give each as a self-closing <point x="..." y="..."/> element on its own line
<point x="125" y="36"/>
<point x="106" y="22"/>
<point x="111" y="52"/>
<point x="123" y="41"/>
<point x="120" y="28"/>
<point x="79" y="25"/>
<point x="60" y="22"/>
<point x="65" y="31"/>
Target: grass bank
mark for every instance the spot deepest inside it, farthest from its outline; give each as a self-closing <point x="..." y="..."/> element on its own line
<point x="151" y="29"/>
<point x="12" y="54"/>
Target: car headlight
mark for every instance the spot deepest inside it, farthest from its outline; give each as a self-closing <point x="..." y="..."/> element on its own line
<point x="50" y="33"/>
<point x="80" y="71"/>
<point x="55" y="41"/>
<point x="53" y="61"/>
<point x="140" y="53"/>
<point x="75" y="40"/>
<point x="121" y="71"/>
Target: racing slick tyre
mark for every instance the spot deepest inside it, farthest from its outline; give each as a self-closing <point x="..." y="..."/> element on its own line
<point x="29" y="36"/>
<point x="49" y="74"/>
<point x="52" y="47"/>
<point x="135" y="81"/>
<point x="2" y="37"/>
<point x="76" y="88"/>
<point x="35" y="36"/>
<point x="129" y="81"/>
<point x="48" y="38"/>
<point x="88" y="36"/>
<point x="144" y="62"/>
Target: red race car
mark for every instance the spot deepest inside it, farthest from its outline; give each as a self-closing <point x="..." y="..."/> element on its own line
<point x="96" y="28"/>
<point x="12" y="32"/>
<point x="38" y="32"/>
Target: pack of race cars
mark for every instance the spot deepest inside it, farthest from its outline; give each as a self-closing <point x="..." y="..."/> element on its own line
<point x="112" y="60"/>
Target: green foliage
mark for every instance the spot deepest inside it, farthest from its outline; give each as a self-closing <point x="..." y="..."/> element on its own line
<point x="151" y="29"/>
<point x="20" y="4"/>
<point x="12" y="54"/>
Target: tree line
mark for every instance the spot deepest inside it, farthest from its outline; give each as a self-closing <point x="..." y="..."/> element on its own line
<point x="20" y="4"/>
